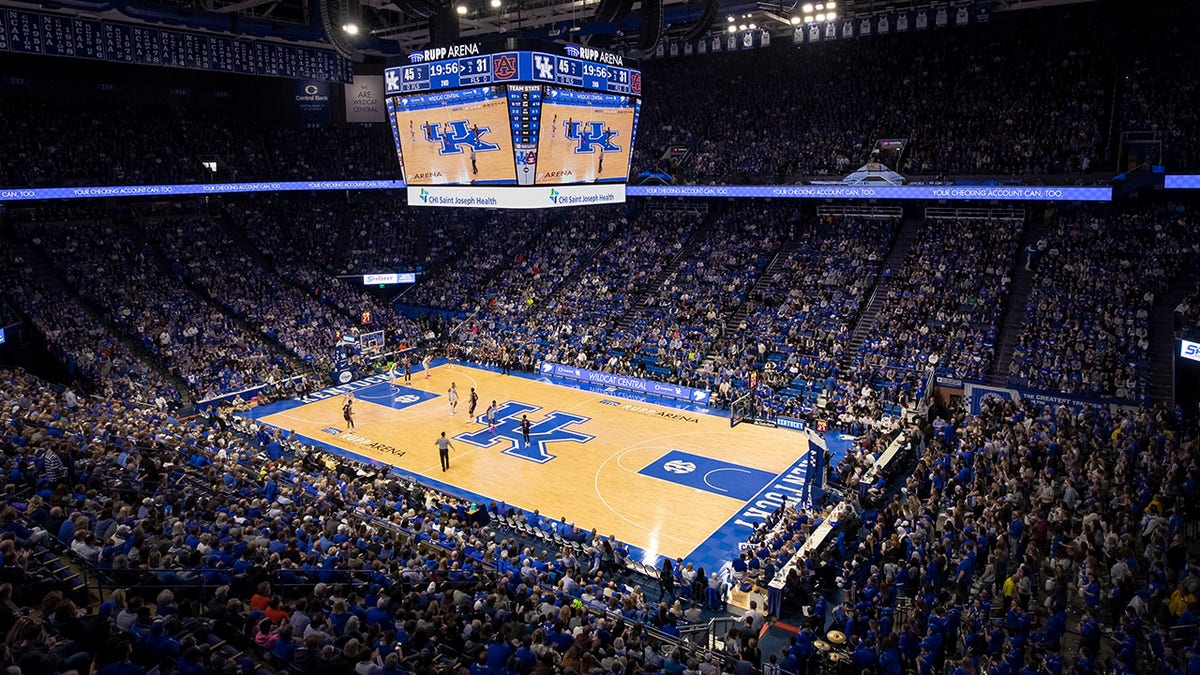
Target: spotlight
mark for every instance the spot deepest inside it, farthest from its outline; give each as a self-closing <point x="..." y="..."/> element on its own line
<point x="831" y="16"/>
<point x="830" y="5"/>
<point x="808" y="8"/>
<point x="820" y="18"/>
<point x="742" y="27"/>
<point x="795" y="20"/>
<point x="730" y="18"/>
<point x="461" y="9"/>
<point x="350" y="28"/>
<point x="752" y="26"/>
<point x="820" y="6"/>
<point x="732" y="28"/>
<point x="495" y="4"/>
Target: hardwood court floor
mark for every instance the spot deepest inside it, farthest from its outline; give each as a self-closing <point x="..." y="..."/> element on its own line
<point x="557" y="160"/>
<point x="658" y="478"/>
<point x="426" y="166"/>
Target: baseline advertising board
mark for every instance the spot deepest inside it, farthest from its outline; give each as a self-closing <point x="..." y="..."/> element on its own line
<point x="627" y="383"/>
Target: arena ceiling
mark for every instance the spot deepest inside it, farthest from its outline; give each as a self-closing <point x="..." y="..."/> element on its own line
<point x="400" y="26"/>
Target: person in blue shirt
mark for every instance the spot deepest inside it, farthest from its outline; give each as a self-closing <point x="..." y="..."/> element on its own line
<point x="526" y="659"/>
<point x="498" y="654"/>
<point x="863" y="658"/>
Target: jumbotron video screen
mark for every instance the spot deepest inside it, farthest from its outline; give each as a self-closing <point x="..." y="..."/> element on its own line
<point x="456" y="138"/>
<point x="540" y="119"/>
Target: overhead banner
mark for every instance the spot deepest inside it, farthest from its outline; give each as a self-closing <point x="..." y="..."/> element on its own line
<point x="948" y="192"/>
<point x="364" y="100"/>
<point x="1182" y="181"/>
<point x="515" y="197"/>
<point x="578" y="195"/>
<point x="627" y="383"/>
<point x="312" y="101"/>
<point x="111" y="191"/>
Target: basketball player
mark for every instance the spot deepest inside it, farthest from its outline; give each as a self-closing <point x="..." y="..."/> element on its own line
<point x="348" y="410"/>
<point x="473" y="401"/>
<point x="474" y="166"/>
<point x="608" y="134"/>
<point x="525" y="429"/>
<point x="491" y="417"/>
<point x="444" y="445"/>
<point x="412" y="133"/>
<point x="425" y="363"/>
<point x="554" y="127"/>
<point x="450" y="355"/>
<point x="391" y="373"/>
<point x="407" y="370"/>
<point x="453" y="396"/>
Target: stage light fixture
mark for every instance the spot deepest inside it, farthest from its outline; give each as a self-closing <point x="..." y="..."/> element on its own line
<point x="461" y="9"/>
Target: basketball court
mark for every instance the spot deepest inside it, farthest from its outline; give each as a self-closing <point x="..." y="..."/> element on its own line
<point x="672" y="481"/>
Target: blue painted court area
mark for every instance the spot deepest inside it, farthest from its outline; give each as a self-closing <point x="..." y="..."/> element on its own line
<point x="710" y="475"/>
<point x="794" y="485"/>
<point x="393" y="396"/>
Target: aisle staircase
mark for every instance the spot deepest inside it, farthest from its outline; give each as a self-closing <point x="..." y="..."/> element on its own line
<point x="669" y="270"/>
<point x="1162" y="336"/>
<point x="909" y="231"/>
<point x="1013" y="317"/>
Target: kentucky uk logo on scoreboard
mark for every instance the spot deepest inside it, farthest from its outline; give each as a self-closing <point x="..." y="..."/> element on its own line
<point x="456" y="134"/>
<point x="590" y="136"/>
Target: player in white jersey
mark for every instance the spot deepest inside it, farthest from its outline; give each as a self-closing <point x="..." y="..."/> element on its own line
<point x="453" y="396"/>
<point x="425" y="363"/>
<point x="491" y="417"/>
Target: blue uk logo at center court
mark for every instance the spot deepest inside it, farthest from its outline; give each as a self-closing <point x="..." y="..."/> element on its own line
<point x="550" y="429"/>
<point x="710" y="475"/>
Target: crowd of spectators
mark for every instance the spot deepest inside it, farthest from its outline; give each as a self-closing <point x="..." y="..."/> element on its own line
<point x="1018" y="525"/>
<point x="966" y="101"/>
<point x="204" y="347"/>
<point x="488" y="243"/>
<point x="233" y="548"/>
<point x="1086" y="328"/>
<point x="799" y="319"/>
<point x="573" y="326"/>
<point x="1186" y="316"/>
<point x="943" y="306"/>
<point x="282" y="312"/>
<point x="360" y="152"/>
<point x="91" y="352"/>
<point x="677" y="323"/>
<point x="1155" y="91"/>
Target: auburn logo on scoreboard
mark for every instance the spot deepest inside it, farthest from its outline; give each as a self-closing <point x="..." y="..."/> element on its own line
<point x="455" y="134"/>
<point x="590" y="136"/>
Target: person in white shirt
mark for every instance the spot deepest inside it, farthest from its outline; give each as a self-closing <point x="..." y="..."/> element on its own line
<point x="756" y="617"/>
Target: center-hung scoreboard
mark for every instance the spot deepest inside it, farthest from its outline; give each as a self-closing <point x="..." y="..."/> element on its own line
<point x="516" y="115"/>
